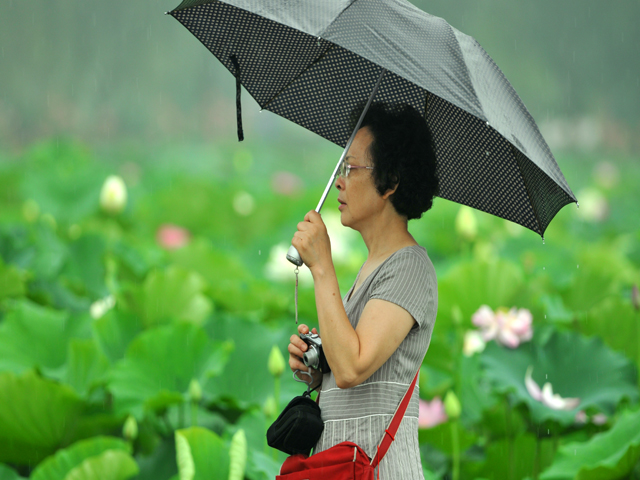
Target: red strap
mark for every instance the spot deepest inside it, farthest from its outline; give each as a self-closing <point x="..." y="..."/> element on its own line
<point x="390" y="432"/>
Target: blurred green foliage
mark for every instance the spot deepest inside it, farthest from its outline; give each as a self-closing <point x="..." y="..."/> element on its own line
<point x="164" y="316"/>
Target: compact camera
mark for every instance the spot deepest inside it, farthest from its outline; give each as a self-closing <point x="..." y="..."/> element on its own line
<point x="314" y="356"/>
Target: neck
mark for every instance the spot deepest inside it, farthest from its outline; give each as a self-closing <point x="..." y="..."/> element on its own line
<point x="386" y="234"/>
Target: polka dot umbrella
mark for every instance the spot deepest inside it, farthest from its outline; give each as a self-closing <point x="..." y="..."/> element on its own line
<point x="313" y="61"/>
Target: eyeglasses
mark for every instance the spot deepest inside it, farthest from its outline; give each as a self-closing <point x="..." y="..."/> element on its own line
<point x="345" y="168"/>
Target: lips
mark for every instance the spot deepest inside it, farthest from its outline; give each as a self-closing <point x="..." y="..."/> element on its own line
<point x="342" y="204"/>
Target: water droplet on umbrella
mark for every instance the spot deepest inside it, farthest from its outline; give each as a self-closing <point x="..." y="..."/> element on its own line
<point x="487" y="152"/>
<point x="488" y="124"/>
<point x="578" y="204"/>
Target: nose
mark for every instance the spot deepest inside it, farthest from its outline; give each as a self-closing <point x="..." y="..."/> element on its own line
<point x="339" y="182"/>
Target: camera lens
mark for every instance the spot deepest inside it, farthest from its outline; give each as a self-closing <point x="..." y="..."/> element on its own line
<point x="310" y="357"/>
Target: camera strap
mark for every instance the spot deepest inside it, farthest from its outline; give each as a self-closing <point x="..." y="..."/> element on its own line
<point x="296" y="271"/>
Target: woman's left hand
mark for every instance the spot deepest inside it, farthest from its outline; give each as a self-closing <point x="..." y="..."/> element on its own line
<point x="312" y="241"/>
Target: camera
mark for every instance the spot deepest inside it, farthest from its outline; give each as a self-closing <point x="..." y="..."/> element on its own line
<point x="314" y="356"/>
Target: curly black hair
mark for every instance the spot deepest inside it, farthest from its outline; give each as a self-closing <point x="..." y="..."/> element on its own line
<point x="403" y="154"/>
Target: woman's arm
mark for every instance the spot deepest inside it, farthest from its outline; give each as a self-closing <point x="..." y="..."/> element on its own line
<point x="353" y="355"/>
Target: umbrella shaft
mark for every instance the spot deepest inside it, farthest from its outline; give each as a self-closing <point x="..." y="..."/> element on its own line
<point x="346" y="148"/>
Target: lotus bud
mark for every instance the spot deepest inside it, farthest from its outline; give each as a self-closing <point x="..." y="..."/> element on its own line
<point x="130" y="429"/>
<point x="113" y="196"/>
<point x="452" y="405"/>
<point x="473" y="343"/>
<point x="238" y="456"/>
<point x="270" y="408"/>
<point x="276" y="362"/>
<point x="195" y="391"/>
<point x="466" y="223"/>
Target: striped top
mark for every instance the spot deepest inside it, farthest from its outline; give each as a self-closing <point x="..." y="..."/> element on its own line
<point x="362" y="413"/>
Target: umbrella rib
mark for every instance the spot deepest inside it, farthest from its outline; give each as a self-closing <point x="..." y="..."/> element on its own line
<point x="526" y="187"/>
<point x="316" y="60"/>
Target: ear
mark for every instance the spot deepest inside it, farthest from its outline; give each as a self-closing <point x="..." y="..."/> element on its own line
<point x="390" y="192"/>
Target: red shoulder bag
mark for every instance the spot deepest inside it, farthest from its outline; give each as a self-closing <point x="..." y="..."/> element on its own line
<point x="345" y="461"/>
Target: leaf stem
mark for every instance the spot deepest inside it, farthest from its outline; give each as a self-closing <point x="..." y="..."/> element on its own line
<point x="455" y="441"/>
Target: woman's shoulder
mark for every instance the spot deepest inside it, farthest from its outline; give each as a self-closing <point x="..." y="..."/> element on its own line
<point x="414" y="256"/>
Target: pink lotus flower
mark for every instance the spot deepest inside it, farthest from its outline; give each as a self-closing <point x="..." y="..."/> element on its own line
<point x="172" y="237"/>
<point x="286" y="183"/>
<point x="431" y="413"/>
<point x="546" y="395"/>
<point x="507" y="327"/>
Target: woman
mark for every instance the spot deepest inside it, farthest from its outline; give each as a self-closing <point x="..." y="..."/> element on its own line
<point x="375" y="338"/>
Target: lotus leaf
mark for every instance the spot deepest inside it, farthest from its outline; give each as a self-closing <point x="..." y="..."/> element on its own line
<point x="159" y="365"/>
<point x="599" y="273"/>
<point x="245" y="381"/>
<point x="174" y="294"/>
<point x="469" y="285"/>
<point x="110" y="465"/>
<point x="617" y="324"/>
<point x="35" y="336"/>
<point x="8" y="474"/>
<point x="575" y="366"/>
<point x="201" y="454"/>
<point x="84" y="268"/>
<point x="515" y="458"/>
<point x="86" y="366"/>
<point x="59" y="465"/>
<point x="606" y="456"/>
<point x="36" y="416"/>
<point x="115" y="331"/>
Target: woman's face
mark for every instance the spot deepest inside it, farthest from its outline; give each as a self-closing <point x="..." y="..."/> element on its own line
<point x="359" y="199"/>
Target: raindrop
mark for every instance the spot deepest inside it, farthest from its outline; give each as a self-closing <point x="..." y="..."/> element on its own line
<point x="488" y="124"/>
<point x="577" y="266"/>
<point x="259" y="252"/>
<point x="547" y="431"/>
<point x="543" y="240"/>
<point x="578" y="204"/>
<point x="546" y="376"/>
<point x="487" y="152"/>
<point x="544" y="268"/>
<point x="545" y="316"/>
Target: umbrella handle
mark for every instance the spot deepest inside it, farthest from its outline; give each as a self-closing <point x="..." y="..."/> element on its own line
<point x="293" y="256"/>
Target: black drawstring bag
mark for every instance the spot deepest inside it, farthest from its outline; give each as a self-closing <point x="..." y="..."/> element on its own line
<point x="298" y="428"/>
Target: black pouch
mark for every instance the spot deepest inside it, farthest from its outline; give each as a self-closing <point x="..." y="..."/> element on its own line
<point x="298" y="428"/>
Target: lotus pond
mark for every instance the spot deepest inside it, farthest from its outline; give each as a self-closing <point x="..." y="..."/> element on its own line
<point x="141" y="330"/>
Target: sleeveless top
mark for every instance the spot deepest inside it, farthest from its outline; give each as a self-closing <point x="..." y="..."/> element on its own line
<point x="362" y="413"/>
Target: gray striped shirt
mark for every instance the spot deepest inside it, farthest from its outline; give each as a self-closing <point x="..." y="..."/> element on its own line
<point x="361" y="414"/>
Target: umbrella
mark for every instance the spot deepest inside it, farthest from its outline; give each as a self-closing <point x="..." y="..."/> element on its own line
<point x="313" y="61"/>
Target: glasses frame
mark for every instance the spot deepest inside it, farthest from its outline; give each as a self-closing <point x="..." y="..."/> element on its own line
<point x="346" y="167"/>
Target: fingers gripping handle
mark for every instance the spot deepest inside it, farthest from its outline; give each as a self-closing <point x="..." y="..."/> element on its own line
<point x="293" y="256"/>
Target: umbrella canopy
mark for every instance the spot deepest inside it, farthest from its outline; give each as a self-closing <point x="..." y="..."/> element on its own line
<point x="313" y="61"/>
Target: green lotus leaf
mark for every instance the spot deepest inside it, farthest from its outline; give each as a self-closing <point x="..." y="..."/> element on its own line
<point x="36" y="416"/>
<point x="599" y="273"/>
<point x="115" y="331"/>
<point x="110" y="465"/>
<point x="576" y="366"/>
<point x="245" y="381"/>
<point x="159" y="365"/>
<point x="8" y="474"/>
<point x="469" y="285"/>
<point x="608" y="455"/>
<point x="85" y="268"/>
<point x="34" y="336"/>
<point x="624" y="337"/>
<point x="516" y="457"/>
<point x="174" y="294"/>
<point x="441" y="436"/>
<point x="86" y="366"/>
<point x="59" y="465"/>
<point x="12" y="281"/>
<point x="201" y="455"/>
